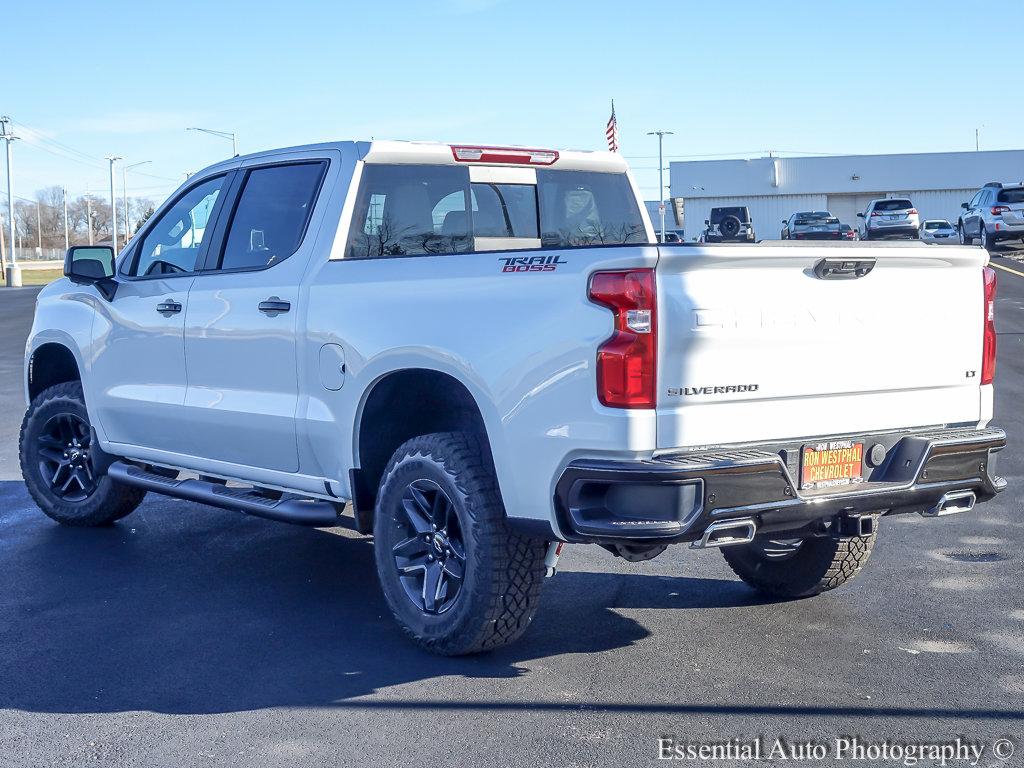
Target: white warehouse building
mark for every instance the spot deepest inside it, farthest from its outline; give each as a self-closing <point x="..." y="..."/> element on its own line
<point x="773" y="188"/>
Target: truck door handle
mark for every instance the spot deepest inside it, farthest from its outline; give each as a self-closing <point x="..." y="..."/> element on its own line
<point x="168" y="307"/>
<point x="274" y="306"/>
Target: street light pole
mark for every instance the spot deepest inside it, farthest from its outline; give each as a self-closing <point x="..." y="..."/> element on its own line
<point x="113" y="204"/>
<point x="661" y="178"/>
<point x="221" y="134"/>
<point x="124" y="195"/>
<point x="39" y="228"/>
<point x="13" y="271"/>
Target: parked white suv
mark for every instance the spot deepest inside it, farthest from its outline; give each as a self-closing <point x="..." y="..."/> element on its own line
<point x="478" y="354"/>
<point x="889" y="217"/>
<point x="995" y="213"/>
<point x="939" y="231"/>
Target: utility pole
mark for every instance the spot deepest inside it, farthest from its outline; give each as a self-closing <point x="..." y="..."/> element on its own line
<point x="13" y="271"/>
<point x="67" y="238"/>
<point x="3" y="246"/>
<point x="124" y="193"/>
<point x="39" y="228"/>
<point x="221" y="134"/>
<point x="661" y="178"/>
<point x="88" y="213"/>
<point x="113" y="203"/>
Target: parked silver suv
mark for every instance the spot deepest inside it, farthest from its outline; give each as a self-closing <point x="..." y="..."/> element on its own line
<point x="889" y="217"/>
<point x="995" y="213"/>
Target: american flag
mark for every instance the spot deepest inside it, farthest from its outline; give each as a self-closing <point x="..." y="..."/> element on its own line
<point x="612" y="131"/>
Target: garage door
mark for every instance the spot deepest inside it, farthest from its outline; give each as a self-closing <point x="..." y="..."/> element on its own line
<point x="846" y="207"/>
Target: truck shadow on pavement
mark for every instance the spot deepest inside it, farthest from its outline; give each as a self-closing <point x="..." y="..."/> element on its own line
<point x="183" y="609"/>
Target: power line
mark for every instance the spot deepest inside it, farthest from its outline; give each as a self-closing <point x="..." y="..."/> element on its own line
<point x="66" y="152"/>
<point x="43" y="138"/>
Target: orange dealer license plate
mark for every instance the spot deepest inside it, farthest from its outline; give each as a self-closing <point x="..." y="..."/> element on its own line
<point x="837" y="462"/>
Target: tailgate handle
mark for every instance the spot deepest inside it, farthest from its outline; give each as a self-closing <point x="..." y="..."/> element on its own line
<point x="843" y="269"/>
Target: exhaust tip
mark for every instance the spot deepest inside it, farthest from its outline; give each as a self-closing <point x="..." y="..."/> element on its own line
<point x="951" y="503"/>
<point x="726" y="533"/>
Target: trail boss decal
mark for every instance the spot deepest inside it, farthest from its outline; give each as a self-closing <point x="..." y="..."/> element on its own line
<point x="531" y="263"/>
<point x="724" y="390"/>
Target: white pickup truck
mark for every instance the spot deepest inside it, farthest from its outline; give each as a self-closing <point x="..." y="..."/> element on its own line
<point x="482" y="354"/>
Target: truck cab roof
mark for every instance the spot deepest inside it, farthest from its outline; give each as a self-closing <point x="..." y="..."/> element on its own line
<point x="440" y="153"/>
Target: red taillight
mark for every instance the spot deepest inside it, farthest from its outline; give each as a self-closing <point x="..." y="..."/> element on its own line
<point x="875" y="213"/>
<point x="912" y="212"/>
<point x="512" y="155"/>
<point x="626" y="363"/>
<point x="988" y="354"/>
<point x="999" y="209"/>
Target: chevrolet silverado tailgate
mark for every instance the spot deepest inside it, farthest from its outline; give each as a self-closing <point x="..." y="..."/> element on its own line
<point x="773" y="341"/>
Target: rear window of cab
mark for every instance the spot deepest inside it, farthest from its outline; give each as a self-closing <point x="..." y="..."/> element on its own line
<point x="421" y="210"/>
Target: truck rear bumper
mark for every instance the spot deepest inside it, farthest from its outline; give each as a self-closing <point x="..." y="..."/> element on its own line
<point x="675" y="498"/>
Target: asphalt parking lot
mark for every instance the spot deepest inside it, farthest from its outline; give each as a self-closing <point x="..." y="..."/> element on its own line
<point x="185" y="635"/>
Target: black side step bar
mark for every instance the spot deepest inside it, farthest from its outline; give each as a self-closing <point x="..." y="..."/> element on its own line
<point x="321" y="514"/>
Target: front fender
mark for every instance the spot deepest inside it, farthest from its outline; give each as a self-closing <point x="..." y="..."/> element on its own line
<point x="65" y="318"/>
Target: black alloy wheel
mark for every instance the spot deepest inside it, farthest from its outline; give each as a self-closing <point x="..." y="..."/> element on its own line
<point x="63" y="457"/>
<point x="431" y="559"/>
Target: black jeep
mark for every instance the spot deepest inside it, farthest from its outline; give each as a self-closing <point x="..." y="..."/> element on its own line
<point x="729" y="225"/>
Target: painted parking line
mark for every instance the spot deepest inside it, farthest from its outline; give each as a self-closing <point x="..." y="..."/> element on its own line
<point x="1007" y="269"/>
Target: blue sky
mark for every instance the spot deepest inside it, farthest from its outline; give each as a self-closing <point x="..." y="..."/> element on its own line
<point x="733" y="78"/>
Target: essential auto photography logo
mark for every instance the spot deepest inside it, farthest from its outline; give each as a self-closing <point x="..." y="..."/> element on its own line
<point x="841" y="749"/>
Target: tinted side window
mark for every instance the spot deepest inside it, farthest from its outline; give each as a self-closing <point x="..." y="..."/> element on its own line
<point x="408" y="210"/>
<point x="171" y="246"/>
<point x="271" y="216"/>
<point x="579" y="208"/>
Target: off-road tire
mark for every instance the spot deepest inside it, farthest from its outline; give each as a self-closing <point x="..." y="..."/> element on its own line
<point x="109" y="501"/>
<point x="820" y="564"/>
<point x="503" y="570"/>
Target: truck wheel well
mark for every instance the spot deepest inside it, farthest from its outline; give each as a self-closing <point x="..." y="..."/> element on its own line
<point x="51" y="364"/>
<point x="401" y="406"/>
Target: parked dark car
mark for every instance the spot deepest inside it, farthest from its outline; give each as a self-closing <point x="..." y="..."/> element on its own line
<point x="849" y="233"/>
<point x="728" y="225"/>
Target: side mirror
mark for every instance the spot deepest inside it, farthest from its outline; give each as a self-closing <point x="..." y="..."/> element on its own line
<point x="860" y="215"/>
<point x="964" y="206"/>
<point x="91" y="265"/>
<point x="707" y="222"/>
